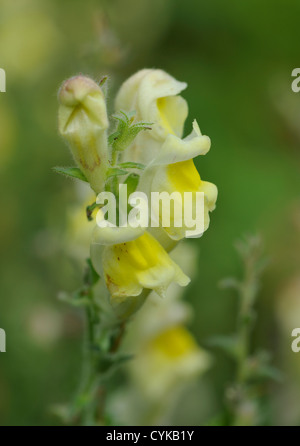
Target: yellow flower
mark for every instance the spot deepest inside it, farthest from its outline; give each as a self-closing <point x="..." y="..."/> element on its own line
<point x="153" y="95"/>
<point x="173" y="170"/>
<point x="167" y="361"/>
<point x="83" y="121"/>
<point x="169" y="159"/>
<point x="181" y="177"/>
<point x="133" y="265"/>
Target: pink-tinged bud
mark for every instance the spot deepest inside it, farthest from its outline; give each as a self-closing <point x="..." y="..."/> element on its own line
<point x="82" y="121"/>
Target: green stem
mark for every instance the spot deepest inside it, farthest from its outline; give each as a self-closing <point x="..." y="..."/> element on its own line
<point x="90" y="401"/>
<point x="251" y="254"/>
<point x="248" y="294"/>
<point x="86" y="397"/>
<point x="114" y="157"/>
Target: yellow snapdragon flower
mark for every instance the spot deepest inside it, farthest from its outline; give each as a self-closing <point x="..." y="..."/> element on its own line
<point x="169" y="159"/>
<point x="169" y="359"/>
<point x="175" y="171"/>
<point x="130" y="263"/>
<point x="153" y="95"/>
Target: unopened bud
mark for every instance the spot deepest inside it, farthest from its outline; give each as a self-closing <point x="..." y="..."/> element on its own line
<point x="82" y="121"/>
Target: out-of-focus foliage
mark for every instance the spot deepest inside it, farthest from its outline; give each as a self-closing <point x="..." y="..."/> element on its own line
<point x="237" y="58"/>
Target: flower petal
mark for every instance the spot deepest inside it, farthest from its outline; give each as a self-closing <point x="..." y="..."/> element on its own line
<point x="178" y="177"/>
<point x="153" y="95"/>
<point x="175" y="149"/>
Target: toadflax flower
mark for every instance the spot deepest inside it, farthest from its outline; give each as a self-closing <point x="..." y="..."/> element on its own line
<point x="167" y="360"/>
<point x="83" y="121"/>
<point x="153" y="95"/>
<point x="131" y="262"/>
<point x="170" y="167"/>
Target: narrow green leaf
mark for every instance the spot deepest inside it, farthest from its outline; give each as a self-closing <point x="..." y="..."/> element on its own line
<point x="75" y="299"/>
<point x="131" y="165"/>
<point x="228" y="344"/>
<point x="103" y="81"/>
<point x="114" y="171"/>
<point x="73" y="172"/>
<point x="108" y="361"/>
<point x="268" y="372"/>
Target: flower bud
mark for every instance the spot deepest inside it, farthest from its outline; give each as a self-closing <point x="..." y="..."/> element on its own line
<point x="82" y="121"/>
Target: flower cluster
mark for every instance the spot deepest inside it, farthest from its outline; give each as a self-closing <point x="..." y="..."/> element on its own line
<point x="146" y="151"/>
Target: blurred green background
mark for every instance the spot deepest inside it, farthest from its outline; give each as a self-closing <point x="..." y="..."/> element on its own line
<point x="237" y="58"/>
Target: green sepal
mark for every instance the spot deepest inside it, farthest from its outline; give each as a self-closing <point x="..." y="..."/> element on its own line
<point x="132" y="182"/>
<point x="126" y="131"/>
